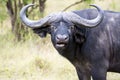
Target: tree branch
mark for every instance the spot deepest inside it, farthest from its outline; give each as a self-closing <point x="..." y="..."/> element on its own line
<point x="78" y="2"/>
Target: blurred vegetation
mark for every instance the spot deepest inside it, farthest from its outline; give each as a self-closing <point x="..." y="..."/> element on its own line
<point x="30" y="57"/>
<point x="13" y="9"/>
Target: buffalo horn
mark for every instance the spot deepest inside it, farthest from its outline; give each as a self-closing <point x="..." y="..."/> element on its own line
<point x="76" y="19"/>
<point x="35" y="24"/>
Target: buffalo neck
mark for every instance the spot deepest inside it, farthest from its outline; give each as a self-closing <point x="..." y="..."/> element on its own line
<point x="69" y="52"/>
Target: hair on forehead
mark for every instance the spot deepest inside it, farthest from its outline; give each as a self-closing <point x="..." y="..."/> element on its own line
<point x="62" y="23"/>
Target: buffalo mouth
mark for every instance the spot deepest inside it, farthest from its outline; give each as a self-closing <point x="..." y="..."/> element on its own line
<point x="61" y="44"/>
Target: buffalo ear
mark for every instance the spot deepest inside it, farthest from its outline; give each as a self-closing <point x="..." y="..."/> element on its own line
<point x="79" y="38"/>
<point x="42" y="32"/>
<point x="79" y="35"/>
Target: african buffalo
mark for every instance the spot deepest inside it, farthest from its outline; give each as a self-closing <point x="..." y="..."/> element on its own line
<point x="89" y="39"/>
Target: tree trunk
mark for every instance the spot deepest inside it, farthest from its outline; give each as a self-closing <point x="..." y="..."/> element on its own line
<point x="42" y="7"/>
<point x="11" y="13"/>
<point x="14" y="7"/>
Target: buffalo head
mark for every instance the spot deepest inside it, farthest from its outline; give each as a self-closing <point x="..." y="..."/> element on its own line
<point x="60" y="25"/>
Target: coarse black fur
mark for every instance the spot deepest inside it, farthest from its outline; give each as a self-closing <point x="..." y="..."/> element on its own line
<point x="93" y="51"/>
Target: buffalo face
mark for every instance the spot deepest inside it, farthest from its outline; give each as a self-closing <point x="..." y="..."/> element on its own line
<point x="61" y="34"/>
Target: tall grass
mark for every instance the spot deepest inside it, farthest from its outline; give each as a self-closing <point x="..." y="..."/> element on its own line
<point x="32" y="60"/>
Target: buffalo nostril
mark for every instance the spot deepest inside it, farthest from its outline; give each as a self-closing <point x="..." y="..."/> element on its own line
<point x="65" y="37"/>
<point x="58" y="37"/>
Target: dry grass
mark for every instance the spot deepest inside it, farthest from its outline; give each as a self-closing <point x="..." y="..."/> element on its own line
<point x="32" y="60"/>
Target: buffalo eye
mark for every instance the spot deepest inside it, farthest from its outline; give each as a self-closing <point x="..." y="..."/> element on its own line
<point x="54" y="28"/>
<point x="72" y="27"/>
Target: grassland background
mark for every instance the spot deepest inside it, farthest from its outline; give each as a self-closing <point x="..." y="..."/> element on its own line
<point x="36" y="59"/>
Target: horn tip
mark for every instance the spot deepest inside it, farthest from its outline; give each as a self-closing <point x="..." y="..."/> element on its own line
<point x="93" y="5"/>
<point x="28" y="5"/>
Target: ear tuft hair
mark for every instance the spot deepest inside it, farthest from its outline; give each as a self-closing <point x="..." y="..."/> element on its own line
<point x="41" y="32"/>
<point x="79" y="35"/>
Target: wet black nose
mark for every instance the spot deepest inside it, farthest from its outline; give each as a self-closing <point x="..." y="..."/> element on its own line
<point x="62" y="38"/>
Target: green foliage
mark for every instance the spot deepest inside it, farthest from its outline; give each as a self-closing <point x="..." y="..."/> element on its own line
<point x="88" y="1"/>
<point x="27" y="1"/>
<point x="2" y="16"/>
<point x="3" y="1"/>
<point x="3" y="13"/>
